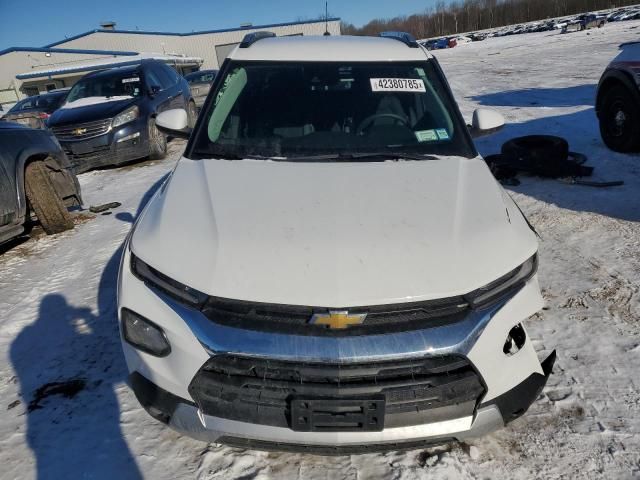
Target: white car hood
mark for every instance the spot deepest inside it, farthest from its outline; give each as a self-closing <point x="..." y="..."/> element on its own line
<point x="333" y="234"/>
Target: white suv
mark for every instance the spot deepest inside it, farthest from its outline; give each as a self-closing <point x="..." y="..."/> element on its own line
<point x="331" y="267"/>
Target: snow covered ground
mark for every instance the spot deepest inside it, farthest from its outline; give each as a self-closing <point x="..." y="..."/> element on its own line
<point x="57" y="310"/>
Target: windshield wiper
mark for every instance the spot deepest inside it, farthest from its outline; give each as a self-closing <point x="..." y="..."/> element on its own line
<point x="330" y="157"/>
<point x="347" y="157"/>
<point x="234" y="156"/>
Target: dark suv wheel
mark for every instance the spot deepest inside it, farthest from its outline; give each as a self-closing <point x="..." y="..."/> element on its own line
<point x="620" y="120"/>
<point x="157" y="142"/>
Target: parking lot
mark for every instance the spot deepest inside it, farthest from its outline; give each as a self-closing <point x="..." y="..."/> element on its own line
<point x="58" y="332"/>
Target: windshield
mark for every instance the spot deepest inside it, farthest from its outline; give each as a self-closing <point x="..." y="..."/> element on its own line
<point x="268" y="109"/>
<point x="117" y="84"/>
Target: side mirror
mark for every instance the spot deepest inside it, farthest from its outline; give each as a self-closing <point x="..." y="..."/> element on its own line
<point x="154" y="90"/>
<point x="486" y="121"/>
<point x="174" y="123"/>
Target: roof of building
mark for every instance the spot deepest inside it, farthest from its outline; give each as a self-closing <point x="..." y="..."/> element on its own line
<point x="202" y="32"/>
<point x="330" y="49"/>
<point x="65" y="50"/>
<point x="103" y="63"/>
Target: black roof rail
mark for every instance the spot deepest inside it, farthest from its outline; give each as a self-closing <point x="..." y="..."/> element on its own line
<point x="403" y="37"/>
<point x="251" y="38"/>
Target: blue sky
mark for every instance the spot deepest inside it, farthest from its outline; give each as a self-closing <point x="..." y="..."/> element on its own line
<point x="39" y="22"/>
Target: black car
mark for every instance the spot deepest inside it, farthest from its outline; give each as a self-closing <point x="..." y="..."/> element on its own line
<point x="35" y="177"/>
<point x="618" y="101"/>
<point x="200" y="83"/>
<point x="33" y="111"/>
<point x="109" y="115"/>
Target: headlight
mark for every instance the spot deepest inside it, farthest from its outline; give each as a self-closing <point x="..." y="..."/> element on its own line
<point x="143" y="334"/>
<point x="128" y="115"/>
<point x="155" y="279"/>
<point x="506" y="284"/>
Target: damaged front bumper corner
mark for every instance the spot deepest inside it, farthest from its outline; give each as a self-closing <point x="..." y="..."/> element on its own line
<point x="515" y="402"/>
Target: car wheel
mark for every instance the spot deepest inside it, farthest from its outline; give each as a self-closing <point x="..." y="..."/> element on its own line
<point x="157" y="142"/>
<point x="620" y="120"/>
<point x="43" y="198"/>
<point x="192" y="114"/>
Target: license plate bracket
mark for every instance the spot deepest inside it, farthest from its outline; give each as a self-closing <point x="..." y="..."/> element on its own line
<point x="343" y="415"/>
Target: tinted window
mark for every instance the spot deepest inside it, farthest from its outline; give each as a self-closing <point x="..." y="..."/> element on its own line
<point x="173" y="75"/>
<point x="165" y="76"/>
<point x="271" y="109"/>
<point x="152" y="79"/>
<point x="54" y="101"/>
<point x="201" y="77"/>
<point x="22" y="105"/>
<point x="43" y="103"/>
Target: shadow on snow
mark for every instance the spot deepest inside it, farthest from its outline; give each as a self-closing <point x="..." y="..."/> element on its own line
<point x="540" y="97"/>
<point x="582" y="132"/>
<point x="69" y="363"/>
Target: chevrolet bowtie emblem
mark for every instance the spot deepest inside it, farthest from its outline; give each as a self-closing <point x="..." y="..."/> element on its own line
<point x="338" y="319"/>
<point x="79" y="131"/>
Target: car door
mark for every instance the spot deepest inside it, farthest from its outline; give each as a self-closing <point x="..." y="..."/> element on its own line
<point x="162" y="98"/>
<point x="172" y="79"/>
<point x="8" y="195"/>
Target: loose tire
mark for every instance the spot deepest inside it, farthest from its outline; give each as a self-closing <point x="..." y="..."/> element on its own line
<point x="192" y="114"/>
<point x="539" y="153"/>
<point x="157" y="142"/>
<point x="44" y="200"/>
<point x="619" y="118"/>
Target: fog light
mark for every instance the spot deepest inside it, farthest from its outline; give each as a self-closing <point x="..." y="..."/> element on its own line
<point x="129" y="137"/>
<point x="144" y="335"/>
<point x="515" y="340"/>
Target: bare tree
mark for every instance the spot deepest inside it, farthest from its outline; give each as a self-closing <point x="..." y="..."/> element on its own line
<point x="471" y="15"/>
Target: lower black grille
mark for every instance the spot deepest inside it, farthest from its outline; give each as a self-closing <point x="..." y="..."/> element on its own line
<point x="95" y="152"/>
<point x="260" y="391"/>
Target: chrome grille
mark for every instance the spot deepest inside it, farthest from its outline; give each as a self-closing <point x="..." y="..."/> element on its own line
<point x="292" y="319"/>
<point x="82" y="131"/>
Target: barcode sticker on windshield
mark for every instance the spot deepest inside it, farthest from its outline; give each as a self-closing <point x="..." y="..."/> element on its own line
<point x="132" y="79"/>
<point x="397" y="85"/>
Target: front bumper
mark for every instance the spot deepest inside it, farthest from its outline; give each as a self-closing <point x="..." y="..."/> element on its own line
<point x="108" y="149"/>
<point x="511" y="384"/>
<point x="185" y="417"/>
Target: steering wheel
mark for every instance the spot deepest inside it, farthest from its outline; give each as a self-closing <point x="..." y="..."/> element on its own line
<point x="366" y="123"/>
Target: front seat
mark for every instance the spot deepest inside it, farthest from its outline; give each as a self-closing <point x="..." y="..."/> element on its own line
<point x="391" y="105"/>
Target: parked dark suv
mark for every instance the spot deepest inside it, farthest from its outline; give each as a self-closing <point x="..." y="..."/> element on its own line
<point x="618" y="100"/>
<point x="109" y="115"/>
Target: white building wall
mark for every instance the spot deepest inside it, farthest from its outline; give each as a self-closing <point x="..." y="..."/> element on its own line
<point x="199" y="45"/>
<point x="130" y="42"/>
<point x="14" y="63"/>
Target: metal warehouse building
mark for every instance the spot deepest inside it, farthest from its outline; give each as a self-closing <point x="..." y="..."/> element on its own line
<point x="28" y="71"/>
